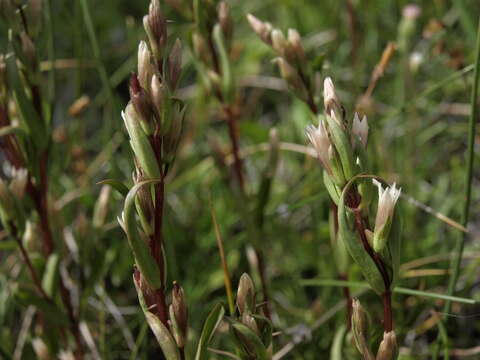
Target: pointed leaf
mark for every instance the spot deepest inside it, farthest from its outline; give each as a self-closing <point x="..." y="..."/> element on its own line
<point x="209" y="327"/>
<point x="164" y="338"/>
<point x="117" y="185"/>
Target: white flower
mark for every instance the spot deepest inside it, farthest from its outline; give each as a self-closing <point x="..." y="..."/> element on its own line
<point x="360" y="129"/>
<point x="320" y="141"/>
<point x="387" y="198"/>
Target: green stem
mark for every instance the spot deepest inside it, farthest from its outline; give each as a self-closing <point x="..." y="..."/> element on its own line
<point x="460" y="243"/>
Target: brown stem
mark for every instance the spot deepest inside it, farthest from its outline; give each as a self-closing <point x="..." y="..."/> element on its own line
<point x="387" y="311"/>
<point x="234" y="139"/>
<point x="348" y="301"/>
<point x="263" y="281"/>
<point x="156" y="245"/>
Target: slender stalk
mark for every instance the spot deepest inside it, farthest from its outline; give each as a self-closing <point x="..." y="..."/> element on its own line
<point x="460" y="243"/>
<point x="226" y="273"/>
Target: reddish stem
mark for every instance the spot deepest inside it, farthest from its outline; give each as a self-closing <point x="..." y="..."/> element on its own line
<point x="354" y="199"/>
<point x="234" y="139"/>
<point x="387" y="311"/>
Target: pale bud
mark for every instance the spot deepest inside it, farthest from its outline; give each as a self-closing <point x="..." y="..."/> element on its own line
<point x="159" y="93"/>
<point x="360" y="129"/>
<point x="246" y="294"/>
<point x="279" y="43"/>
<point x="387" y="198"/>
<point x="388" y="347"/>
<point x="330" y="98"/>
<point x="262" y="29"/>
<point x="175" y="64"/>
<point x="318" y="137"/>
<point x="295" y="42"/>
<point x="145" y="67"/>
<point x="360" y="329"/>
<point x="179" y="315"/>
<point x="155" y="26"/>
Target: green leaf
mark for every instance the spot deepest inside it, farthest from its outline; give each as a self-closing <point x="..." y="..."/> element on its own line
<point x="164" y="338"/>
<point x="117" y="185"/>
<point x="248" y="342"/>
<point x="145" y="261"/>
<point x="227" y="78"/>
<point x="209" y="327"/>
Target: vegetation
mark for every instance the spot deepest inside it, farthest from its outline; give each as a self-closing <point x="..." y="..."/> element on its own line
<point x="187" y="179"/>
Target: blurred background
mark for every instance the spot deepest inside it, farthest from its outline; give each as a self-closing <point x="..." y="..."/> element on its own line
<point x="417" y="114"/>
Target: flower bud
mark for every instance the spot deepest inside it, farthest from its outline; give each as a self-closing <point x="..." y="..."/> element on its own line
<point x="159" y="95"/>
<point x="145" y="67"/>
<point x="155" y="26"/>
<point x="280" y="44"/>
<point x="360" y="329"/>
<point x="319" y="139"/>
<point x="295" y="44"/>
<point x="142" y="104"/>
<point x="175" y="64"/>
<point x="388" y="347"/>
<point x="139" y="142"/>
<point x="246" y="294"/>
<point x="360" y="129"/>
<point x="386" y="206"/>
<point x="262" y="29"/>
<point x="331" y="102"/>
<point x="179" y="315"/>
